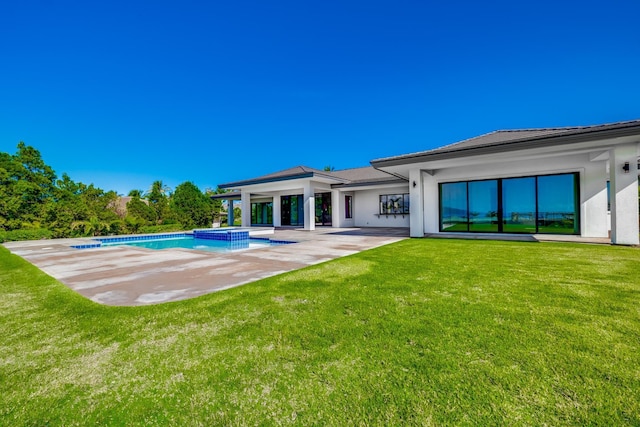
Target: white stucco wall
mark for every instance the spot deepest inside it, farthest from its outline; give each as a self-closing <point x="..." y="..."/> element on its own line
<point x="366" y="209"/>
<point x="338" y="208"/>
<point x="624" y="194"/>
<point x="593" y="192"/>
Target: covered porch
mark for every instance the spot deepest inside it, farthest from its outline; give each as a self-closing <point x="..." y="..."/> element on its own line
<point x="298" y="198"/>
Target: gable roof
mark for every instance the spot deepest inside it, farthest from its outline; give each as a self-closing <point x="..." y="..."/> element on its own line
<point x="508" y="140"/>
<point x="346" y="177"/>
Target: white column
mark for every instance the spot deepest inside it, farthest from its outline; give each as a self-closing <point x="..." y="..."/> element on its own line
<point x="593" y="207"/>
<point x="416" y="213"/>
<point x="309" y="207"/>
<point x="336" y="209"/>
<point x="431" y="204"/>
<point x="230" y="218"/>
<point x="277" y="212"/>
<point x="624" y="195"/>
<point x="246" y="208"/>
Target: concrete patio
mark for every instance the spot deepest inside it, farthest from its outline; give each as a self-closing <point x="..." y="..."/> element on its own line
<point x="127" y="275"/>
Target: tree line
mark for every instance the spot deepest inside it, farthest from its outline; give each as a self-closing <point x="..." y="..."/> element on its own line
<point x="35" y="203"/>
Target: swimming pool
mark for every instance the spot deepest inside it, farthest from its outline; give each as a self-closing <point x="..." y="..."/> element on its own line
<point x="185" y="241"/>
<point x="197" y="244"/>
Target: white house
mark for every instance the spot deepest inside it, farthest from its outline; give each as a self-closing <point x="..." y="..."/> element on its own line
<point x="574" y="180"/>
<point x="307" y="197"/>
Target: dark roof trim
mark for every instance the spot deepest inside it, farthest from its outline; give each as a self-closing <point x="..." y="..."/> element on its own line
<point x="367" y="183"/>
<point x="397" y="175"/>
<point x="266" y="180"/>
<point x="226" y="196"/>
<point x="582" y="135"/>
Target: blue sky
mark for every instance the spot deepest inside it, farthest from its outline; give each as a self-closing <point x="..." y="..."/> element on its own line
<point x="122" y="93"/>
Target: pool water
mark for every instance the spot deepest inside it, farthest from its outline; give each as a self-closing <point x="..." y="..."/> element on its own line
<point x="187" y="242"/>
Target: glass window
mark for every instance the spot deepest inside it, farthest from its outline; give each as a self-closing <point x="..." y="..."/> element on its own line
<point x="519" y="205"/>
<point x="294" y="215"/>
<point x="292" y="210"/>
<point x="323" y="208"/>
<point x="262" y="213"/>
<point x="453" y="207"/>
<point x="394" y="204"/>
<point x="483" y="206"/>
<point x="536" y="204"/>
<point x="348" y="207"/>
<point x="296" y="210"/>
<point x="558" y="204"/>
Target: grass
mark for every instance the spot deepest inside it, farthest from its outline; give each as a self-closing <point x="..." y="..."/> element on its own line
<point x="422" y="332"/>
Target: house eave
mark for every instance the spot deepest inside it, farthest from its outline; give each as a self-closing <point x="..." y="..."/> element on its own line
<point x="369" y="183"/>
<point x="502" y="147"/>
<point x="245" y="183"/>
<point x="257" y="181"/>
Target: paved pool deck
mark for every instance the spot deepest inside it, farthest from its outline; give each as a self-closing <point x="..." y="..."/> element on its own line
<point x="129" y="276"/>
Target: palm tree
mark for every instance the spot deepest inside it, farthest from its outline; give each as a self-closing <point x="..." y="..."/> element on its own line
<point x="157" y="189"/>
<point x="157" y="197"/>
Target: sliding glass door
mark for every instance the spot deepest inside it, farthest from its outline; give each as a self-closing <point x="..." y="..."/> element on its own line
<point x="519" y="205"/>
<point x="262" y="213"/>
<point x="453" y="207"/>
<point x="536" y="204"/>
<point x="557" y="201"/>
<point x="292" y="210"/>
<point x="483" y="206"/>
<point x="323" y="208"/>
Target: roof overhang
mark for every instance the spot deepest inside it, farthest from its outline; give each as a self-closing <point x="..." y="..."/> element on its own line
<point x="233" y="195"/>
<point x="265" y="180"/>
<point x="315" y="176"/>
<point x="621" y="133"/>
<point x="370" y="184"/>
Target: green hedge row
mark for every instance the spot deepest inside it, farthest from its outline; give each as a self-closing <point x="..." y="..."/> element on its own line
<point x="25" y="234"/>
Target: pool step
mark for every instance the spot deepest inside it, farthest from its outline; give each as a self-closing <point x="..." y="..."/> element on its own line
<point x="224" y="235"/>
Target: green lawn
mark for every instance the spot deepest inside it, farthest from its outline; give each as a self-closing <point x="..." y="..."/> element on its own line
<point x="422" y="332"/>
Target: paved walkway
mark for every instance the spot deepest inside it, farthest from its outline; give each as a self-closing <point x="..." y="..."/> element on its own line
<point x="126" y="275"/>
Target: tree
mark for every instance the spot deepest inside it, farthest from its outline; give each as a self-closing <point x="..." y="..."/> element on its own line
<point x="77" y="209"/>
<point x="136" y="208"/>
<point x="27" y="184"/>
<point x="66" y="210"/>
<point x="216" y="203"/>
<point x="158" y="200"/>
<point x="31" y="197"/>
<point x="191" y="207"/>
<point x="237" y="215"/>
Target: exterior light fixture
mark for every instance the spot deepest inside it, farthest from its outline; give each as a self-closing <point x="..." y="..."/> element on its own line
<point x="625" y="167"/>
<point x="414" y="184"/>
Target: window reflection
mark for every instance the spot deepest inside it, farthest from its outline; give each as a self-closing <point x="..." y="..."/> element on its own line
<point x="262" y="213"/>
<point x="453" y="206"/>
<point x="519" y="205"/>
<point x="557" y="204"/>
<point x="538" y="204"/>
<point x="483" y="206"/>
<point x="348" y="207"/>
<point x="392" y="204"/>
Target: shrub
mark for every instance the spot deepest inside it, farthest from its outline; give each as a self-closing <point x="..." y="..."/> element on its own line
<point x="25" y="234"/>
